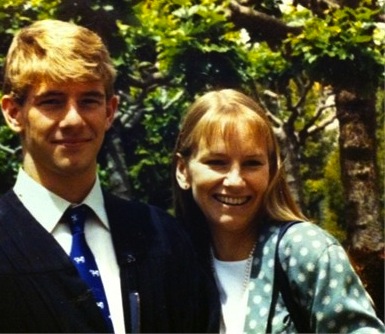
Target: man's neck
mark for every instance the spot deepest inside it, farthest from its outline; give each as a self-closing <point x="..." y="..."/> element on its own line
<point x="72" y="187"/>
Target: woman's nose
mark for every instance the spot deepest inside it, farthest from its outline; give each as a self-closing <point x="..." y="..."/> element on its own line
<point x="234" y="178"/>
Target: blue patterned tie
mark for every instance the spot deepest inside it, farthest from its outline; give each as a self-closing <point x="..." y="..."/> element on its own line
<point x="84" y="260"/>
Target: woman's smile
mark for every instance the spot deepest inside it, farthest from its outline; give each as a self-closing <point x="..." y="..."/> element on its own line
<point x="232" y="200"/>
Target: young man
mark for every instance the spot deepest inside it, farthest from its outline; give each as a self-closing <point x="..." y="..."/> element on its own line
<point x="58" y="96"/>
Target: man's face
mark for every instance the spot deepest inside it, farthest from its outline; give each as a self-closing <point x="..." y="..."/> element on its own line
<point x="62" y="126"/>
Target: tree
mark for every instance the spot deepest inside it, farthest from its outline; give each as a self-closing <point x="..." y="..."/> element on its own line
<point x="335" y="41"/>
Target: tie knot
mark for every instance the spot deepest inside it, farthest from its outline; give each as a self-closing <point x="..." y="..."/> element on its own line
<point x="77" y="217"/>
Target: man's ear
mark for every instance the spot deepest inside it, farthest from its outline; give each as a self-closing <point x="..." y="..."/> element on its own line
<point x="182" y="173"/>
<point x="12" y="113"/>
<point x="112" y="106"/>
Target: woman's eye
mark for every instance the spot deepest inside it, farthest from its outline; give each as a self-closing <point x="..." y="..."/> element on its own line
<point x="253" y="163"/>
<point x="216" y="162"/>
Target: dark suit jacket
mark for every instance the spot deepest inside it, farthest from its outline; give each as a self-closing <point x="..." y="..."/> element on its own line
<point x="41" y="291"/>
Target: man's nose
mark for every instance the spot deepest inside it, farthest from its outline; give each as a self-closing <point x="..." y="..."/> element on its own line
<point x="72" y="115"/>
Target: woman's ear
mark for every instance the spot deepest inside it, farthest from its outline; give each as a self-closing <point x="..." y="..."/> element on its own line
<point x="12" y="113"/>
<point x="181" y="173"/>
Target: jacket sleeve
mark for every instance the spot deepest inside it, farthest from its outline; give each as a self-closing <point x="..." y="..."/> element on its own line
<point x="324" y="282"/>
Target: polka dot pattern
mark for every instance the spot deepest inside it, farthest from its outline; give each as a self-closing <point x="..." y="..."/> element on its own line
<point x="321" y="278"/>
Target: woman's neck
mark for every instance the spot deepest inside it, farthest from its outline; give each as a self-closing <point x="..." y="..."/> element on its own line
<point x="233" y="247"/>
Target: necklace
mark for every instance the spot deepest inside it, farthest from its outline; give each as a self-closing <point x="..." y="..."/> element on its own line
<point x="246" y="278"/>
<point x="247" y="270"/>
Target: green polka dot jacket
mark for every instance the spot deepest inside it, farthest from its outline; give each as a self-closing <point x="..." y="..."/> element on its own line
<point x="322" y="277"/>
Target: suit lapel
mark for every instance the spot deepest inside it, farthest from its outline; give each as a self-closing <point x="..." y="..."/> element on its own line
<point x="32" y="248"/>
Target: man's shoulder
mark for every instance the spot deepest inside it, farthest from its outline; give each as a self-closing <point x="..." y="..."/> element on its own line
<point x="136" y="212"/>
<point x="138" y="228"/>
<point x="8" y="201"/>
<point x="132" y="206"/>
<point x="8" y="194"/>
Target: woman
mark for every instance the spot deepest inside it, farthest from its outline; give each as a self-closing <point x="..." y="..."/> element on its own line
<point x="231" y="193"/>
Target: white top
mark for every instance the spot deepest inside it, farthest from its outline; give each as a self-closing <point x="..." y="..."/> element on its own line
<point x="230" y="278"/>
<point x="48" y="208"/>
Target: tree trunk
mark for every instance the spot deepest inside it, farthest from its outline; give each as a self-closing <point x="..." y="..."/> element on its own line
<point x="114" y="161"/>
<point x="359" y="174"/>
<point x="290" y="154"/>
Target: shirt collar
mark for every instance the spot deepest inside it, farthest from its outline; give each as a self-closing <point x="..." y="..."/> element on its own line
<point x="48" y="208"/>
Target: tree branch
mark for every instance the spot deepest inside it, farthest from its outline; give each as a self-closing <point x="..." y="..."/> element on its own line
<point x="261" y="26"/>
<point x="275" y="121"/>
<point x="318" y="7"/>
<point x="156" y="79"/>
<point x="9" y="150"/>
<point x="320" y="127"/>
<point x="303" y="88"/>
<point x="311" y="128"/>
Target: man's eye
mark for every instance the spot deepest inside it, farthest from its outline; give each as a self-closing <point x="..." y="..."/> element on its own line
<point x="50" y="102"/>
<point x="90" y="102"/>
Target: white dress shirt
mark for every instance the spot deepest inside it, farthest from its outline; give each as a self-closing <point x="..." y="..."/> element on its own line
<point x="48" y="208"/>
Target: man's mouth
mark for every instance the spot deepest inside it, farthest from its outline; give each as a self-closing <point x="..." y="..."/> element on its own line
<point x="230" y="200"/>
<point x="71" y="141"/>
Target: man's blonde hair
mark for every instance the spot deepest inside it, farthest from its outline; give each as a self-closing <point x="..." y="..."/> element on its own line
<point x="56" y="51"/>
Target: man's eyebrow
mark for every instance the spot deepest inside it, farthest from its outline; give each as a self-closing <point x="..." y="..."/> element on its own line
<point x="57" y="93"/>
<point x="94" y="93"/>
<point x="49" y="93"/>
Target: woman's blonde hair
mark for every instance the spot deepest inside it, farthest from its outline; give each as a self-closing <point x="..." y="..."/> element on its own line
<point x="56" y="51"/>
<point x="220" y="113"/>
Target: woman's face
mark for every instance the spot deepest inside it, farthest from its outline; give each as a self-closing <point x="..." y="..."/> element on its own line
<point x="228" y="181"/>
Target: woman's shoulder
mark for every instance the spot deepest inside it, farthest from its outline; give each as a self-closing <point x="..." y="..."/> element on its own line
<point x="305" y="232"/>
<point x="308" y="244"/>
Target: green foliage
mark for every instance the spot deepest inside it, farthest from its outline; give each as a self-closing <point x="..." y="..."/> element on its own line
<point x="267" y="66"/>
<point x="324" y="195"/>
<point x="9" y="158"/>
<point x="193" y="43"/>
<point x="330" y="224"/>
<point x="341" y="45"/>
<point x="149" y="170"/>
<point x="333" y="208"/>
<point x="15" y="14"/>
<point x="314" y="157"/>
